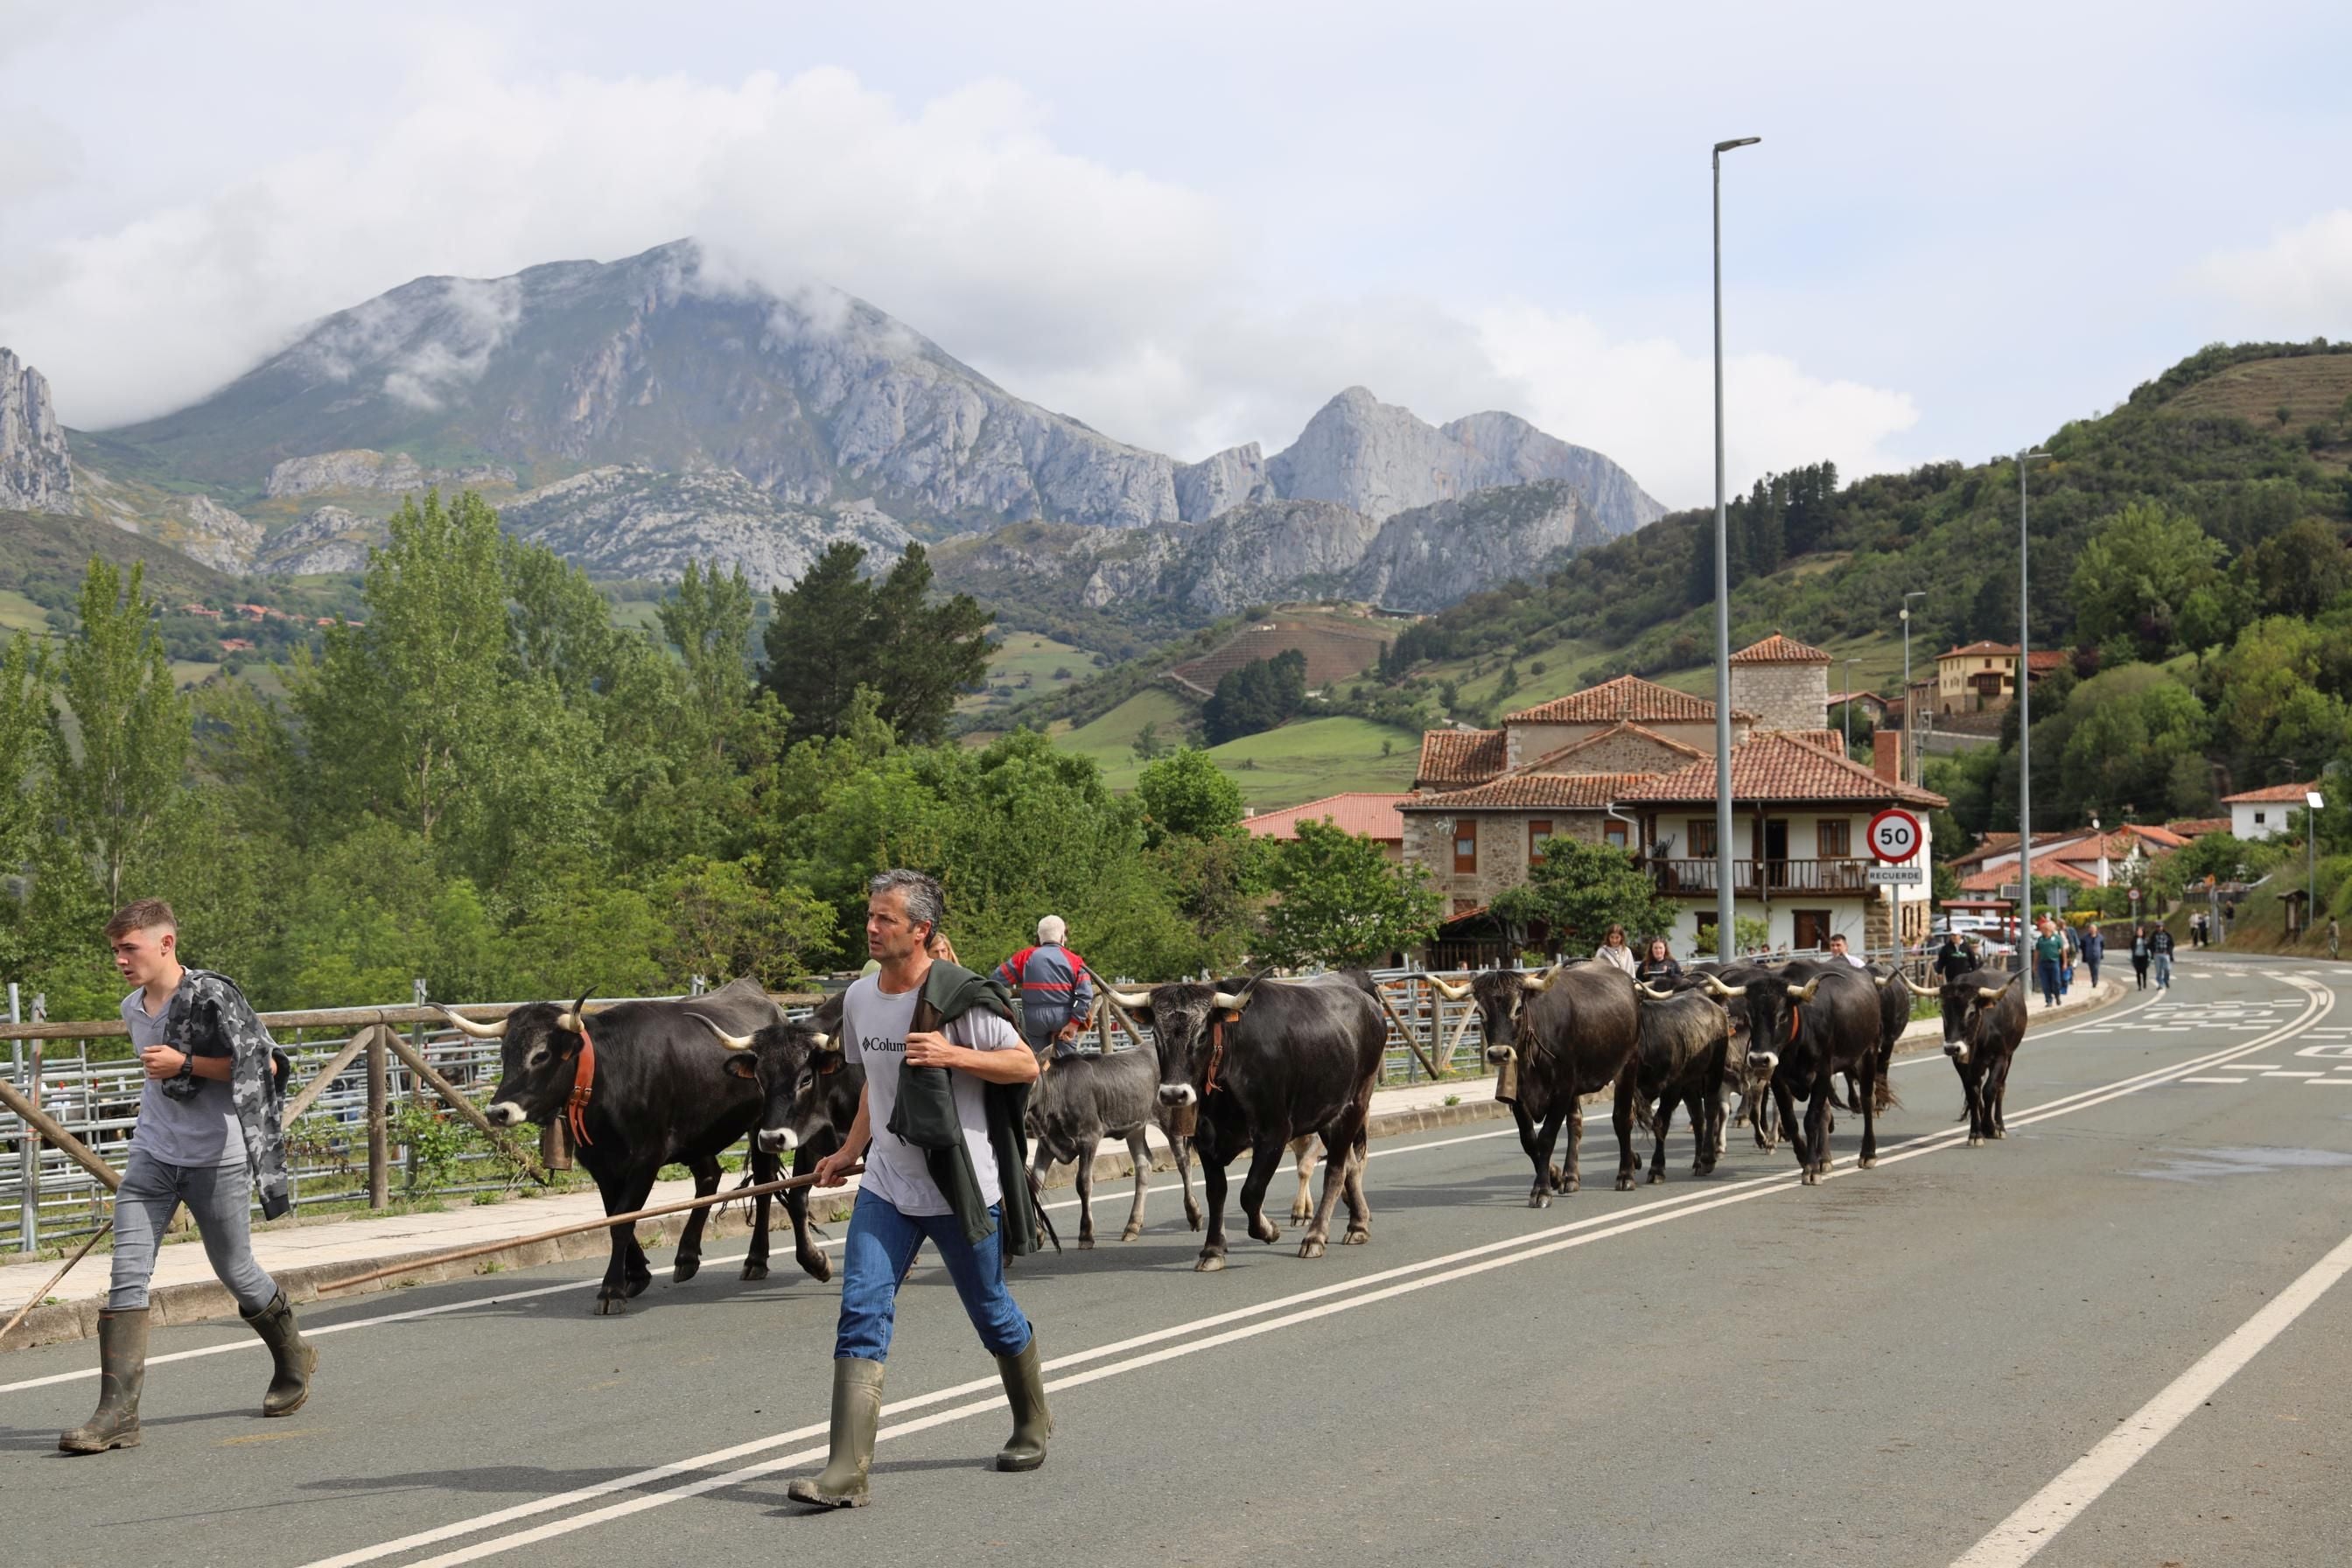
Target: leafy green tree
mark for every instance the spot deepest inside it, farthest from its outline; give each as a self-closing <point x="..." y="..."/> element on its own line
<point x="24" y="710"/>
<point x="833" y="632"/>
<point x="2302" y="569"/>
<point x="2136" y="574"/>
<point x="1185" y="793"/>
<point x="724" y="922"/>
<point x="1581" y="890"/>
<point x="2131" y="724"/>
<point x="1339" y="900"/>
<point x="116" y="750"/>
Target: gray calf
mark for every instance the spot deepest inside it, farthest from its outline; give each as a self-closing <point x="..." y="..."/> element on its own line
<point x="1082" y="1100"/>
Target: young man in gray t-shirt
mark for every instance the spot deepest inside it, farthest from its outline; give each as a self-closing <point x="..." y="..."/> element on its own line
<point x="189" y="1146"/>
<point x="901" y="1206"/>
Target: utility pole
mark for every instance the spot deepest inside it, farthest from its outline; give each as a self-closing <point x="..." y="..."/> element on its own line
<point x="1723" y="884"/>
<point x="2024" y="720"/>
<point x="1910" y="741"/>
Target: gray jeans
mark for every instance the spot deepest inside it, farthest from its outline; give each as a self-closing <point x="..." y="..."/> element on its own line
<point x="217" y="1196"/>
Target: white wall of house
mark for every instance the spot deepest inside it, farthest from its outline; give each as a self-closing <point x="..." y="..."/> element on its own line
<point x="2261" y="819"/>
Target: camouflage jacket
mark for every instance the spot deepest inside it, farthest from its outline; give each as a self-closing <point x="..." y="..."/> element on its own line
<point x="209" y="1016"/>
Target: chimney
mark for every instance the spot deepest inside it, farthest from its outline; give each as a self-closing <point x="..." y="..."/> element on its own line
<point x="1886" y="755"/>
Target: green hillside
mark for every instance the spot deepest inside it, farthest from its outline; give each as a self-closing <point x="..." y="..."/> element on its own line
<point x="44" y="555"/>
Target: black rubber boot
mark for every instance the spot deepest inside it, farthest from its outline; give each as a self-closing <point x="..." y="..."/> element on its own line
<point x="122" y="1370"/>
<point x="1025" y="1390"/>
<point x="289" y="1385"/>
<point x="856" y="1412"/>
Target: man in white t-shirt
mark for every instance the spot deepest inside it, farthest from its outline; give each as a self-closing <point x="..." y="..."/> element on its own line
<point x="901" y="1202"/>
<point x="1838" y="951"/>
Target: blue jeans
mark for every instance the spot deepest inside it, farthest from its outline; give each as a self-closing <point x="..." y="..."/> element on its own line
<point x="2049" y="978"/>
<point x="881" y="1247"/>
<point x="2163" y="969"/>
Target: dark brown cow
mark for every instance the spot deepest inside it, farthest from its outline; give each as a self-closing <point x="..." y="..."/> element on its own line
<point x="1559" y="1036"/>
<point x="1984" y="1022"/>
<point x="1680" y="1058"/>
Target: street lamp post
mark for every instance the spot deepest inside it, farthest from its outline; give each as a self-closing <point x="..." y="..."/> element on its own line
<point x="1847" y="682"/>
<point x="2024" y="719"/>
<point x="1723" y="888"/>
<point x="2313" y="801"/>
<point x="1910" y="740"/>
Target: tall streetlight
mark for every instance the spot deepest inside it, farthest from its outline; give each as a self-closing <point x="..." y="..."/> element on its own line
<point x="1846" y="700"/>
<point x="1910" y="745"/>
<point x="2313" y="801"/>
<point x="1723" y="889"/>
<point x="2024" y="720"/>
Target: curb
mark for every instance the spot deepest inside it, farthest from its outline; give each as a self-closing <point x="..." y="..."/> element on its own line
<point x="208" y="1300"/>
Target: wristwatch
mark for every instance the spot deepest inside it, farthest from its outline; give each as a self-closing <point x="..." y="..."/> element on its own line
<point x="187" y="1064"/>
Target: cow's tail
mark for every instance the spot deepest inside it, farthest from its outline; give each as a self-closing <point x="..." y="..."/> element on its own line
<point x="1882" y="1098"/>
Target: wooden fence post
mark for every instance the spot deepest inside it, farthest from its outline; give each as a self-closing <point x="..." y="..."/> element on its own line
<point x="378" y="1115"/>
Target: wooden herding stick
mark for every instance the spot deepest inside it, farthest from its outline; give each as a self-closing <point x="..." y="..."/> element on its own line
<point x="63" y="1270"/>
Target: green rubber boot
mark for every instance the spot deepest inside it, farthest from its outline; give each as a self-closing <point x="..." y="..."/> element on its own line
<point x="856" y="1412"/>
<point x="122" y="1369"/>
<point x="1025" y="1390"/>
<point x="289" y="1383"/>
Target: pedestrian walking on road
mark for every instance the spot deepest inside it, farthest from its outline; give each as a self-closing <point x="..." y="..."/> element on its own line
<point x="1657" y="967"/>
<point x="2140" y="953"/>
<point x="2333" y="940"/>
<point x="1057" y="994"/>
<point x="2159" y="949"/>
<point x="2049" y="958"/>
<point x="2095" y="948"/>
<point x="1613" y="949"/>
<point x="1954" y="960"/>
<point x="207" y="1132"/>
<point x="939" y="1127"/>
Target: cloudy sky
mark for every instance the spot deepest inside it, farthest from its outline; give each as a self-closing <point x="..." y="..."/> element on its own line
<point x="1190" y="224"/>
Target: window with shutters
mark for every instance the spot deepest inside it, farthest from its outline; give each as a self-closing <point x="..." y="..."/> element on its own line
<point x="1702" y="838"/>
<point x="1835" y="838"/>
<point x="1465" y="846"/>
<point x="1613" y="833"/>
<point x="1539" y="835"/>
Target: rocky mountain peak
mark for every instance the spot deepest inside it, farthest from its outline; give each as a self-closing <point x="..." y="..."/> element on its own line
<point x="36" y="474"/>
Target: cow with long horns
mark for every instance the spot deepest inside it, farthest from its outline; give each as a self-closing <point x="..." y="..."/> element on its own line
<point x="1811" y="1022"/>
<point x="1681" y="1057"/>
<point x="1260" y="1066"/>
<point x="1555" y="1036"/>
<point x="640" y="1085"/>
<point x="808" y="1095"/>
<point x="1984" y="1022"/>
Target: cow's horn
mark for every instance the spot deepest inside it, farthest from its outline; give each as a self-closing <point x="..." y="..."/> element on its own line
<point x="1131" y="1000"/>
<point x="497" y="1031"/>
<point x="1448" y="989"/>
<point x="1990" y="993"/>
<point x="1803" y="992"/>
<point x="1720" y="989"/>
<point x="570" y="1022"/>
<point x="1538" y="982"/>
<point x="733" y="1042"/>
<point x="1227" y="1002"/>
<point x="820" y="1042"/>
<point x="1656" y="994"/>
<point x="1919" y="990"/>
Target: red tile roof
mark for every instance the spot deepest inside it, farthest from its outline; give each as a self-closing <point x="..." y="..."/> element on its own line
<point x="1455" y="759"/>
<point x="2190" y="827"/>
<point x="1363" y="813"/>
<point x="1990" y="881"/>
<point x="2048" y="658"/>
<point x="1830" y="741"/>
<point x="1773" y="766"/>
<point x="1627" y="697"/>
<point x="1526" y="792"/>
<point x="1779" y="649"/>
<point x="1622" y="728"/>
<point x="2276" y="795"/>
<point x="1982" y="650"/>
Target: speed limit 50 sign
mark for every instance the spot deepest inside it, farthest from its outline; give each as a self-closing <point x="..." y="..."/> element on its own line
<point x="1894" y="834"/>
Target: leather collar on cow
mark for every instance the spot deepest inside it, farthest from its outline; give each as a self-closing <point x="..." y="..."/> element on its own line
<point x="1796" y="1016"/>
<point x="583" y="1083"/>
<point x="1217" y="1022"/>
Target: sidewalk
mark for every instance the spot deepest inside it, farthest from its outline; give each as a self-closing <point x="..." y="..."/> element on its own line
<point x="300" y="1257"/>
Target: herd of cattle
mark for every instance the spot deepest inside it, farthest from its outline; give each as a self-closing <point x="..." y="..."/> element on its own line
<point x="1259" y="1067"/>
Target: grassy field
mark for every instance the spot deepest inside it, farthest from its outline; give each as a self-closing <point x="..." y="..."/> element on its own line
<point x="1110" y="740"/>
<point x="1024" y="656"/>
<point x="18" y="614"/>
<point x="1281" y="767"/>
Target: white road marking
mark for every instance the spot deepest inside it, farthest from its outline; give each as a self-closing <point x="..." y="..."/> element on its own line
<point x="2288" y="1072"/>
<point x="2213" y="1080"/>
<point x="2015" y="1540"/>
<point x="1353" y="1294"/>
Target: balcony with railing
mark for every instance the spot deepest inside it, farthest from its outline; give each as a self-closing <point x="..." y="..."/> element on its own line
<point x="1776" y="878"/>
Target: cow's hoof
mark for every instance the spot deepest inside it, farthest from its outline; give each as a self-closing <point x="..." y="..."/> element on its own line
<point x="1558" y="1180"/>
<point x="1266" y="1231"/>
<point x="1657" y="1177"/>
<point x="1301" y="1213"/>
<point x="611" y="1306"/>
<point x="1192" y="1219"/>
<point x="816" y="1267"/>
<point x="1130" y="1233"/>
<point x="1356" y="1236"/>
<point x="1310" y="1247"/>
<point x="1624" y="1184"/>
<point x="1573" y="1184"/>
<point x="684" y="1269"/>
<point x="754" y="1271"/>
<point x="1975" y="1141"/>
<point x="2001" y="1132"/>
<point x="1813" y="1178"/>
<point x="1539" y="1199"/>
<point x="1086" y="1244"/>
<point x="1867" y="1165"/>
<point x="1211" y="1263"/>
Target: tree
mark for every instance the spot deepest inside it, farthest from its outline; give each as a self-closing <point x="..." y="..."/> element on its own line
<point x="1581" y="890"/>
<point x="2136" y="574"/>
<point x="24" y="710"/>
<point x="833" y="632"/>
<point x="723" y="922"/>
<point x="1339" y="900"/>
<point x="1186" y="794"/>
<point x="1256" y="696"/>
<point x="2130" y="725"/>
<point x="118" y="764"/>
<point x="2302" y="569"/>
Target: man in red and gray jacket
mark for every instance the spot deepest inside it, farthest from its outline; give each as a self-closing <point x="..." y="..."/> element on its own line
<point x="1058" y="997"/>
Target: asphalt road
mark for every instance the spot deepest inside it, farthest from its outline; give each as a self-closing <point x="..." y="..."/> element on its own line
<point x="2088" y="1341"/>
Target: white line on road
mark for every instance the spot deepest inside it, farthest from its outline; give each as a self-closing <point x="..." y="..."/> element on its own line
<point x="2213" y="1080"/>
<point x="2015" y="1540"/>
<point x="1351" y="1293"/>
